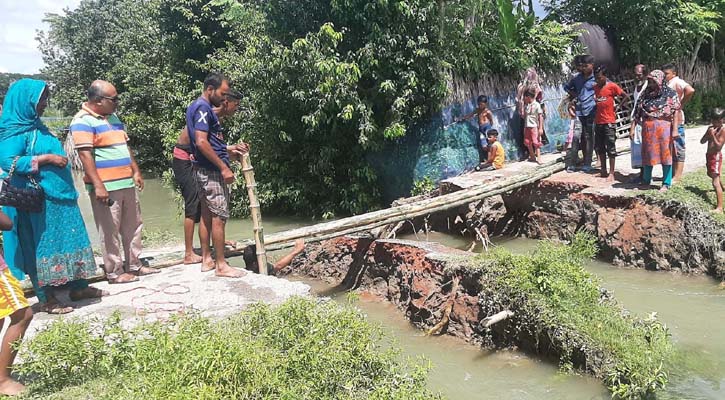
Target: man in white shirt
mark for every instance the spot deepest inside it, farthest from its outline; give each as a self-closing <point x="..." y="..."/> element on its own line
<point x="685" y="91"/>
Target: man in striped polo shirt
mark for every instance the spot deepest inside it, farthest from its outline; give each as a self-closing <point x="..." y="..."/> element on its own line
<point x="111" y="177"/>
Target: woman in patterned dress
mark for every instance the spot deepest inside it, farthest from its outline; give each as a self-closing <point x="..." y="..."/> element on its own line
<point x="50" y="246"/>
<point x="657" y="114"/>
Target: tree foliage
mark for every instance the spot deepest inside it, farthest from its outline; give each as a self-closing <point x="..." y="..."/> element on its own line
<point x="326" y="82"/>
<point x="647" y="31"/>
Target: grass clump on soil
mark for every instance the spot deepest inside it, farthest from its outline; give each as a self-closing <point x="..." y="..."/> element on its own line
<point x="694" y="191"/>
<point x="301" y="350"/>
<point x="576" y="316"/>
<point x="691" y="201"/>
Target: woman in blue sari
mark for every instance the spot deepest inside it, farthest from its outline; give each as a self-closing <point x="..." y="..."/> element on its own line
<point x="50" y="246"/>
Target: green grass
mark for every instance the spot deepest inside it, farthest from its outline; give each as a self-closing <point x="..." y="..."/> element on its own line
<point x="302" y="350"/>
<point x="694" y="190"/>
<point x="551" y="286"/>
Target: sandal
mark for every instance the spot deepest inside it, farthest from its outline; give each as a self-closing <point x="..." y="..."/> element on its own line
<point x="123" y="278"/>
<point x="145" y="271"/>
<point x="55" y="308"/>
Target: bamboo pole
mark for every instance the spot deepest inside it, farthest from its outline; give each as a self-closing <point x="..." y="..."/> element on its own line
<point x="256" y="212"/>
<point x="364" y="222"/>
<point x="376" y="219"/>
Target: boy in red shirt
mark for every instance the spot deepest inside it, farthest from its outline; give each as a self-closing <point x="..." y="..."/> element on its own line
<point x="605" y="134"/>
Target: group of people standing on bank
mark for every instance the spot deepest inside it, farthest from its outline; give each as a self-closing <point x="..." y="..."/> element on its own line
<point x="657" y="120"/>
<point x="202" y="171"/>
<point x="50" y="243"/>
<point x="51" y="246"/>
<point x="657" y="130"/>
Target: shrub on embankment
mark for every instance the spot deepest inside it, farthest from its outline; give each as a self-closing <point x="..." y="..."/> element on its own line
<point x="557" y="303"/>
<point x="301" y="350"/>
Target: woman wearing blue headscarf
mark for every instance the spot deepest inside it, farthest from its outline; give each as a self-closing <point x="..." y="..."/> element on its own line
<point x="50" y="246"/>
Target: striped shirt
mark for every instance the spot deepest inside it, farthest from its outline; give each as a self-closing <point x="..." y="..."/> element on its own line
<point x="106" y="135"/>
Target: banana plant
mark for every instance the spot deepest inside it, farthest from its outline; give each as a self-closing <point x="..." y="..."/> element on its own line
<point x="514" y="21"/>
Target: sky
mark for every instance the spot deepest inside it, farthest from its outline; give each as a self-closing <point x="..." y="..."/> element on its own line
<point x="19" y="21"/>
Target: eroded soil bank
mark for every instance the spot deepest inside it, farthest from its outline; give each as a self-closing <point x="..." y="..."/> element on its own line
<point x="419" y="278"/>
<point x="632" y="229"/>
<point x="444" y="290"/>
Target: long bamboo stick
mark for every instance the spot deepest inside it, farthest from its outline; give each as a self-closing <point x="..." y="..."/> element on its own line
<point x="256" y="212"/>
<point x="376" y="219"/>
<point x="369" y="221"/>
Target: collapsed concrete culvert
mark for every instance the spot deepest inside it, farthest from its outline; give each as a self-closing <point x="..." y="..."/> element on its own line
<point x="544" y="303"/>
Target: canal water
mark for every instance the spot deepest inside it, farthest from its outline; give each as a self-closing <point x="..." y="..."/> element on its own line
<point x="163" y="217"/>
<point x="692" y="306"/>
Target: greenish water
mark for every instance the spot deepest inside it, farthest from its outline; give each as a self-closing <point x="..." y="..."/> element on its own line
<point x="162" y="214"/>
<point x="693" y="307"/>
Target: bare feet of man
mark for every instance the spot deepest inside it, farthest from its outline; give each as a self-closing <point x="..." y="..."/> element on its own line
<point x="123" y="278"/>
<point x="224" y="270"/>
<point x="610" y="178"/>
<point x="192" y="259"/>
<point x="207" y="265"/>
<point x="11" y="387"/>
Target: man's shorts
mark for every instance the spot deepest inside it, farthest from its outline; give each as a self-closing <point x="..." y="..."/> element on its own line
<point x="605" y="139"/>
<point x="531" y="137"/>
<point x="185" y="179"/>
<point x="714" y="163"/>
<point x="680" y="144"/>
<point x="213" y="191"/>
<point x="11" y="294"/>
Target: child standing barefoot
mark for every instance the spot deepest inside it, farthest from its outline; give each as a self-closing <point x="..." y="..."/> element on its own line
<point x="534" y="128"/>
<point x="14" y="304"/>
<point x="715" y="138"/>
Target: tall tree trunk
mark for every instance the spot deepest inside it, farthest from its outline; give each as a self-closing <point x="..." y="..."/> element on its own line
<point x="712" y="50"/>
<point x="531" y="7"/>
<point x="693" y="58"/>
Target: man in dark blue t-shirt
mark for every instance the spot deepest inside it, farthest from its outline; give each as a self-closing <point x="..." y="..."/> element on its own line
<point x="211" y="166"/>
<point x="581" y="88"/>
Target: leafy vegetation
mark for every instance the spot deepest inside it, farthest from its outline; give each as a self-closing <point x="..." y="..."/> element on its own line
<point x="327" y="83"/>
<point x="423" y="186"/>
<point x="700" y="107"/>
<point x="653" y="32"/>
<point x="301" y="350"/>
<point x="694" y="192"/>
<point x="551" y="287"/>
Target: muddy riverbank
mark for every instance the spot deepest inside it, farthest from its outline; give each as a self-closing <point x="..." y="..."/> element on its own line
<point x="500" y="301"/>
<point x="633" y="228"/>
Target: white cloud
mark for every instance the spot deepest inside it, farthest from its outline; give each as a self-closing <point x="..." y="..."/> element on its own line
<point x="19" y="21"/>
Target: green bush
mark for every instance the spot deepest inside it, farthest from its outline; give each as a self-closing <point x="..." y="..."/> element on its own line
<point x="694" y="191"/>
<point x="703" y="101"/>
<point x="423" y="186"/>
<point x="551" y="285"/>
<point x="301" y="350"/>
